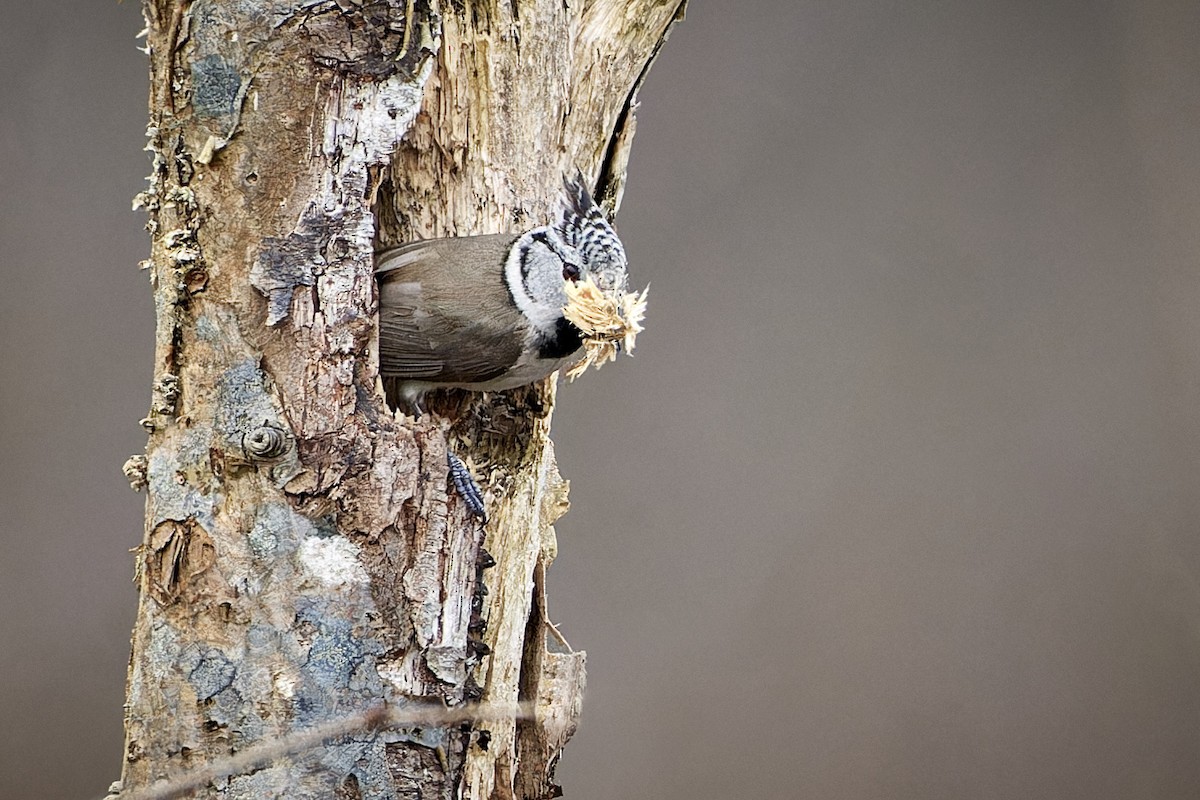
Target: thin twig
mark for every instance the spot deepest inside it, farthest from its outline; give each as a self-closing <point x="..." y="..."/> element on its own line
<point x="376" y="719"/>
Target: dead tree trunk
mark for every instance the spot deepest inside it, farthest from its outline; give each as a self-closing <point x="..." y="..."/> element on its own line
<point x="304" y="561"/>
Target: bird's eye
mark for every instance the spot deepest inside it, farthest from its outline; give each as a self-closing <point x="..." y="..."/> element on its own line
<point x="570" y="272"/>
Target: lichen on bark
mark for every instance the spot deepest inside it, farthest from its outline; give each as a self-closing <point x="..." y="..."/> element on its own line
<point x="303" y="558"/>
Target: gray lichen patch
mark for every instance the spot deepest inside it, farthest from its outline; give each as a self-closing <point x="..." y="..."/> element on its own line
<point x="216" y="86"/>
<point x="274" y="532"/>
<point x="340" y="661"/>
<point x="210" y="671"/>
<point x="180" y="478"/>
<point x="334" y="655"/>
<point x="283" y="266"/>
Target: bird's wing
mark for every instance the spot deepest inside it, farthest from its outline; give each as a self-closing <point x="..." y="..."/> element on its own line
<point x="445" y="314"/>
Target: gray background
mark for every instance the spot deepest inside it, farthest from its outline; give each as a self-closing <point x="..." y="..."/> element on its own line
<point x="912" y="507"/>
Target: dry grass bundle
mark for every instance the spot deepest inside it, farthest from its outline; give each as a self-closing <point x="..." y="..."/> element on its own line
<point x="610" y="324"/>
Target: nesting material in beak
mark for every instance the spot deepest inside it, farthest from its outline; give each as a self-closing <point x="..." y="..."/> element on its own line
<point x="609" y="323"/>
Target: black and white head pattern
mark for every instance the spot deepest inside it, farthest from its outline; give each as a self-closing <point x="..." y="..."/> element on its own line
<point x="579" y="245"/>
<point x="584" y="228"/>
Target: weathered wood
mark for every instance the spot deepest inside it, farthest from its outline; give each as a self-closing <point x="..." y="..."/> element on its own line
<point x="303" y="559"/>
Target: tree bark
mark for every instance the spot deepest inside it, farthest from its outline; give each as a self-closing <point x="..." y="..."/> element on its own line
<point x="303" y="560"/>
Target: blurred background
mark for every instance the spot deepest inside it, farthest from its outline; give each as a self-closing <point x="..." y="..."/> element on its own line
<point x="913" y="511"/>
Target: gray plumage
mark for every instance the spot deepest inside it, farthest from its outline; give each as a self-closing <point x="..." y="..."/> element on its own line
<point x="486" y="312"/>
<point x="439" y="320"/>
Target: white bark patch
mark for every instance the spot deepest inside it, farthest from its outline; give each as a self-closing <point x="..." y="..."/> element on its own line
<point x="372" y="116"/>
<point x="285" y="685"/>
<point x="332" y="560"/>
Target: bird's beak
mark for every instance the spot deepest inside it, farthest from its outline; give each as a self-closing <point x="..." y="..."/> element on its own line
<point x="611" y="281"/>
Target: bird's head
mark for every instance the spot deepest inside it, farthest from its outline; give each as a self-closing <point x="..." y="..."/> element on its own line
<point x="579" y="245"/>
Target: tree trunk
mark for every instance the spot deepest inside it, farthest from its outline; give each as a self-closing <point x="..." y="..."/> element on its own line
<point x="304" y="561"/>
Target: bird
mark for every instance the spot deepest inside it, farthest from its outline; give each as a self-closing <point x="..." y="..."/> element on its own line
<point x="485" y="312"/>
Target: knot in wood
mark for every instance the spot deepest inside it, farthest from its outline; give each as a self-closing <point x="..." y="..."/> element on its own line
<point x="265" y="442"/>
<point x="195" y="280"/>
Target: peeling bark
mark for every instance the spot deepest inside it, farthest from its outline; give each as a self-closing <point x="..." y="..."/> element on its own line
<point x="304" y="560"/>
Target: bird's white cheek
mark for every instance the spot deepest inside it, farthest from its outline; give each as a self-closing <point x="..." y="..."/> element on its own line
<point x="540" y="315"/>
<point x="515" y="283"/>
